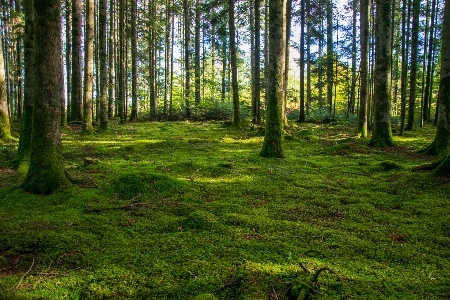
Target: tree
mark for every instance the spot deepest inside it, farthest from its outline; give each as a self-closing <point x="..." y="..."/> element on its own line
<point x="5" y="129"/>
<point x="111" y="60"/>
<point x="46" y="172"/>
<point x="364" y="66"/>
<point x="413" y="74"/>
<point x="233" y="61"/>
<point x="103" y="70"/>
<point x="330" y="54"/>
<point x="187" y="57"/>
<point x="197" y="52"/>
<point x="382" y="134"/>
<point x="273" y="138"/>
<point x="29" y="48"/>
<point x="88" y="68"/>
<point x="76" y="96"/>
<point x="134" y="96"/>
<point x="302" y="116"/>
<point x="442" y="138"/>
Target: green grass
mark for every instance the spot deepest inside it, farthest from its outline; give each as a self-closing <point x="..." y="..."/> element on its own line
<point x="190" y="211"/>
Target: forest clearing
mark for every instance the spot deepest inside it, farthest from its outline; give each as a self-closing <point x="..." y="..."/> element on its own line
<point x="189" y="210"/>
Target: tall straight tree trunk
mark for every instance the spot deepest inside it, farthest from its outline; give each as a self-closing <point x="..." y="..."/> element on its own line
<point x="405" y="58"/>
<point x="273" y="138"/>
<point x="302" y="116"/>
<point x="257" y="71"/>
<point x="308" y="57"/>
<point x="413" y="72"/>
<point x="167" y="57"/>
<point x="134" y="79"/>
<point x="428" y="85"/>
<point x="68" y="55"/>
<point x="288" y="12"/>
<point x="233" y="61"/>
<point x="5" y="128"/>
<point x="111" y="58"/>
<point x="252" y="56"/>
<point x="19" y="68"/>
<point x="197" y="52"/>
<point x="443" y="127"/>
<point x="351" y="108"/>
<point x="364" y="66"/>
<point x="76" y="96"/>
<point x="88" y="68"/>
<point x="319" y="64"/>
<point x="224" y="68"/>
<point x="266" y="49"/>
<point x="103" y="67"/>
<point x="46" y="172"/>
<point x="121" y="63"/>
<point x="330" y="54"/>
<point x="29" y="48"/>
<point x="382" y="134"/>
<point x="187" y="57"/>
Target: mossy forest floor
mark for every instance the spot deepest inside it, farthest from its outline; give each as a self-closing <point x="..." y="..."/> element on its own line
<point x="190" y="210"/>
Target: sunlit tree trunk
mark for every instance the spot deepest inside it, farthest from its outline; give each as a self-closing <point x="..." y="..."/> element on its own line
<point x="197" y="52"/>
<point x="103" y="67"/>
<point x="111" y="60"/>
<point x="330" y="55"/>
<point x="134" y="79"/>
<point x="364" y="66"/>
<point x="302" y="116"/>
<point x="405" y="58"/>
<point x="5" y="128"/>
<point x="187" y="57"/>
<point x="288" y="13"/>
<point x="351" y="108"/>
<point x="68" y="56"/>
<point x="88" y="68"/>
<point x="167" y="57"/>
<point x="382" y="134"/>
<point x="273" y="138"/>
<point x="428" y="85"/>
<point x="233" y="61"/>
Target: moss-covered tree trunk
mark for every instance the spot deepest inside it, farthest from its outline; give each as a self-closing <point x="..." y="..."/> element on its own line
<point x="257" y="71"/>
<point x="441" y="141"/>
<point x="5" y="128"/>
<point x="29" y="48"/>
<point x="382" y="134"/>
<point x="233" y="62"/>
<point x="273" y="138"/>
<point x="88" y="68"/>
<point x="364" y="67"/>
<point x="330" y="55"/>
<point x="46" y="172"/>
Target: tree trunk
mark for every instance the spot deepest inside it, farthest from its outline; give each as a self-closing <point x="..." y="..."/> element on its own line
<point x="134" y="79"/>
<point x="76" y="97"/>
<point x="5" y="129"/>
<point x="413" y="72"/>
<point x="111" y="60"/>
<point x="330" y="54"/>
<point x="197" y="52"/>
<point x="273" y="138"/>
<point x="364" y="66"/>
<point x="46" y="172"/>
<point x="302" y="116"/>
<point x="167" y="57"/>
<point x="103" y="67"/>
<point x="351" y="108"/>
<point x="308" y="57"/>
<point x="257" y="71"/>
<point x="88" y="68"/>
<point x="29" y="48"/>
<point x="428" y="85"/>
<point x="68" y="56"/>
<point x="187" y="57"/>
<point x="288" y="13"/>
<point x="405" y="57"/>
<point x="233" y="61"/>
<point x="382" y="134"/>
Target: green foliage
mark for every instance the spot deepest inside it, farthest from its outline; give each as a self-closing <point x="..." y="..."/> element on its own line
<point x="189" y="210"/>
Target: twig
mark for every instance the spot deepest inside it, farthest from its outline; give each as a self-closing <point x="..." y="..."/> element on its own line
<point x="304" y="268"/>
<point x="195" y="277"/>
<point x="23" y="276"/>
<point x="316" y="275"/>
<point x="132" y="206"/>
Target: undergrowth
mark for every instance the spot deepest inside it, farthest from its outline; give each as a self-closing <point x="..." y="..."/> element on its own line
<point x="190" y="211"/>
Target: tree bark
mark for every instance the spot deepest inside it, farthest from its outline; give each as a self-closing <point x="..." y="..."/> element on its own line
<point x="76" y="95"/>
<point x="197" y="52"/>
<point x="382" y="134"/>
<point x="134" y="79"/>
<point x="413" y="72"/>
<point x="233" y="61"/>
<point x="330" y="55"/>
<point x="187" y="57"/>
<point x="88" y="68"/>
<point x="302" y="116"/>
<point x="5" y="128"/>
<point x="46" y="172"/>
<point x="273" y="138"/>
<point x="103" y="66"/>
<point x="364" y="66"/>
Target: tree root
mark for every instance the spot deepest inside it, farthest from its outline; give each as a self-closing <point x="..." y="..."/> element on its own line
<point x="309" y="289"/>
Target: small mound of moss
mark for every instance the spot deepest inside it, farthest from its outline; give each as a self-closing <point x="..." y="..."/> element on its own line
<point x="141" y="183"/>
<point x="206" y="296"/>
<point x="386" y="166"/>
<point x="200" y="220"/>
<point x="306" y="134"/>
